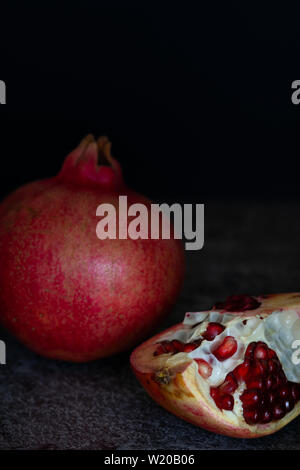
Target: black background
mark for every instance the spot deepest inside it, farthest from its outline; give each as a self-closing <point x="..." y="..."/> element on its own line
<point x="196" y="99"/>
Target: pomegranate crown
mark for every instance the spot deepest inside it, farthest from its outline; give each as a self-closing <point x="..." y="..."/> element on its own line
<point x="91" y="163"/>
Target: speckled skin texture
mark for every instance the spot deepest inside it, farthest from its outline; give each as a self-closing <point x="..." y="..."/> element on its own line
<point x="101" y="405"/>
<point x="67" y="294"/>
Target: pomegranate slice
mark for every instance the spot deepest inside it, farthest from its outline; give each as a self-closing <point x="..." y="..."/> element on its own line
<point x="228" y="373"/>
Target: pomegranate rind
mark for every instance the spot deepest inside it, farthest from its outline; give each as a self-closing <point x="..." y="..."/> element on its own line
<point x="173" y="381"/>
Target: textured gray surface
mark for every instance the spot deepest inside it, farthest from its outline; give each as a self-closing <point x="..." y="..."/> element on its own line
<point x="249" y="248"/>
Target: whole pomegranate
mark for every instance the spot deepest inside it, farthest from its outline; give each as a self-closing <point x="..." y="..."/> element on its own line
<point x="230" y="369"/>
<point x="65" y="293"/>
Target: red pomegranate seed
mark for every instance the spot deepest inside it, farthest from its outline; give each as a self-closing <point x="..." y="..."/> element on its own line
<point x="284" y="392"/>
<point x="226" y="349"/>
<point x="295" y="392"/>
<point x="189" y="347"/>
<point x="278" y="412"/>
<point x="251" y="417"/>
<point x="288" y="404"/>
<point x="272" y="398"/>
<point x="250" y="398"/>
<point x="229" y="385"/>
<point x="226" y="402"/>
<point x="255" y="383"/>
<point x="280" y="379"/>
<point x="250" y="350"/>
<point x="272" y="366"/>
<point x="242" y="370"/>
<point x="270" y="382"/>
<point x="266" y="417"/>
<point x="204" y="369"/>
<point x="214" y="392"/>
<point x="168" y="346"/>
<point x="258" y="369"/>
<point x="178" y="345"/>
<point x="159" y="350"/>
<point x="238" y="303"/>
<point x="272" y="354"/>
<point x="213" y="329"/>
<point x="261" y="351"/>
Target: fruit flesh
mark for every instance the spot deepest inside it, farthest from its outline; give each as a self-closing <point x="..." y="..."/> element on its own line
<point x="222" y="407"/>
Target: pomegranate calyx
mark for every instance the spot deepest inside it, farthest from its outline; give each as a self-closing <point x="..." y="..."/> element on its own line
<point x="92" y="163"/>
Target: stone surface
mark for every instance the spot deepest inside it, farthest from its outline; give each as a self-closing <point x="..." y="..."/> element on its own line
<point x="249" y="248"/>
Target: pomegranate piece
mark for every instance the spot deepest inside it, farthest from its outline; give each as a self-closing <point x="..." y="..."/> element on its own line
<point x="213" y="329"/>
<point x="252" y="383"/>
<point x="226" y="349"/>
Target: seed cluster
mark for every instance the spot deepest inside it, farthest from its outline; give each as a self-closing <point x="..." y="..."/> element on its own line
<point x="238" y="303"/>
<point x="175" y="346"/>
<point x="268" y="395"/>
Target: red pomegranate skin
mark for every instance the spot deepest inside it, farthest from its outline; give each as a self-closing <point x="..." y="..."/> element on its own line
<point x="65" y="293"/>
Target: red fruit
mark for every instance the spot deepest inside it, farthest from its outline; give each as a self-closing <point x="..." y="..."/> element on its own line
<point x="64" y="292"/>
<point x="243" y="394"/>
<point x="213" y="330"/>
<point x="226" y="349"/>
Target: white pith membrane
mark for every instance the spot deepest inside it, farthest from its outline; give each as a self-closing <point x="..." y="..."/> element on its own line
<point x="278" y="330"/>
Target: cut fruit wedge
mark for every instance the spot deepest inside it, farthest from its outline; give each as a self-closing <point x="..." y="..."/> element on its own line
<point x="232" y="369"/>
